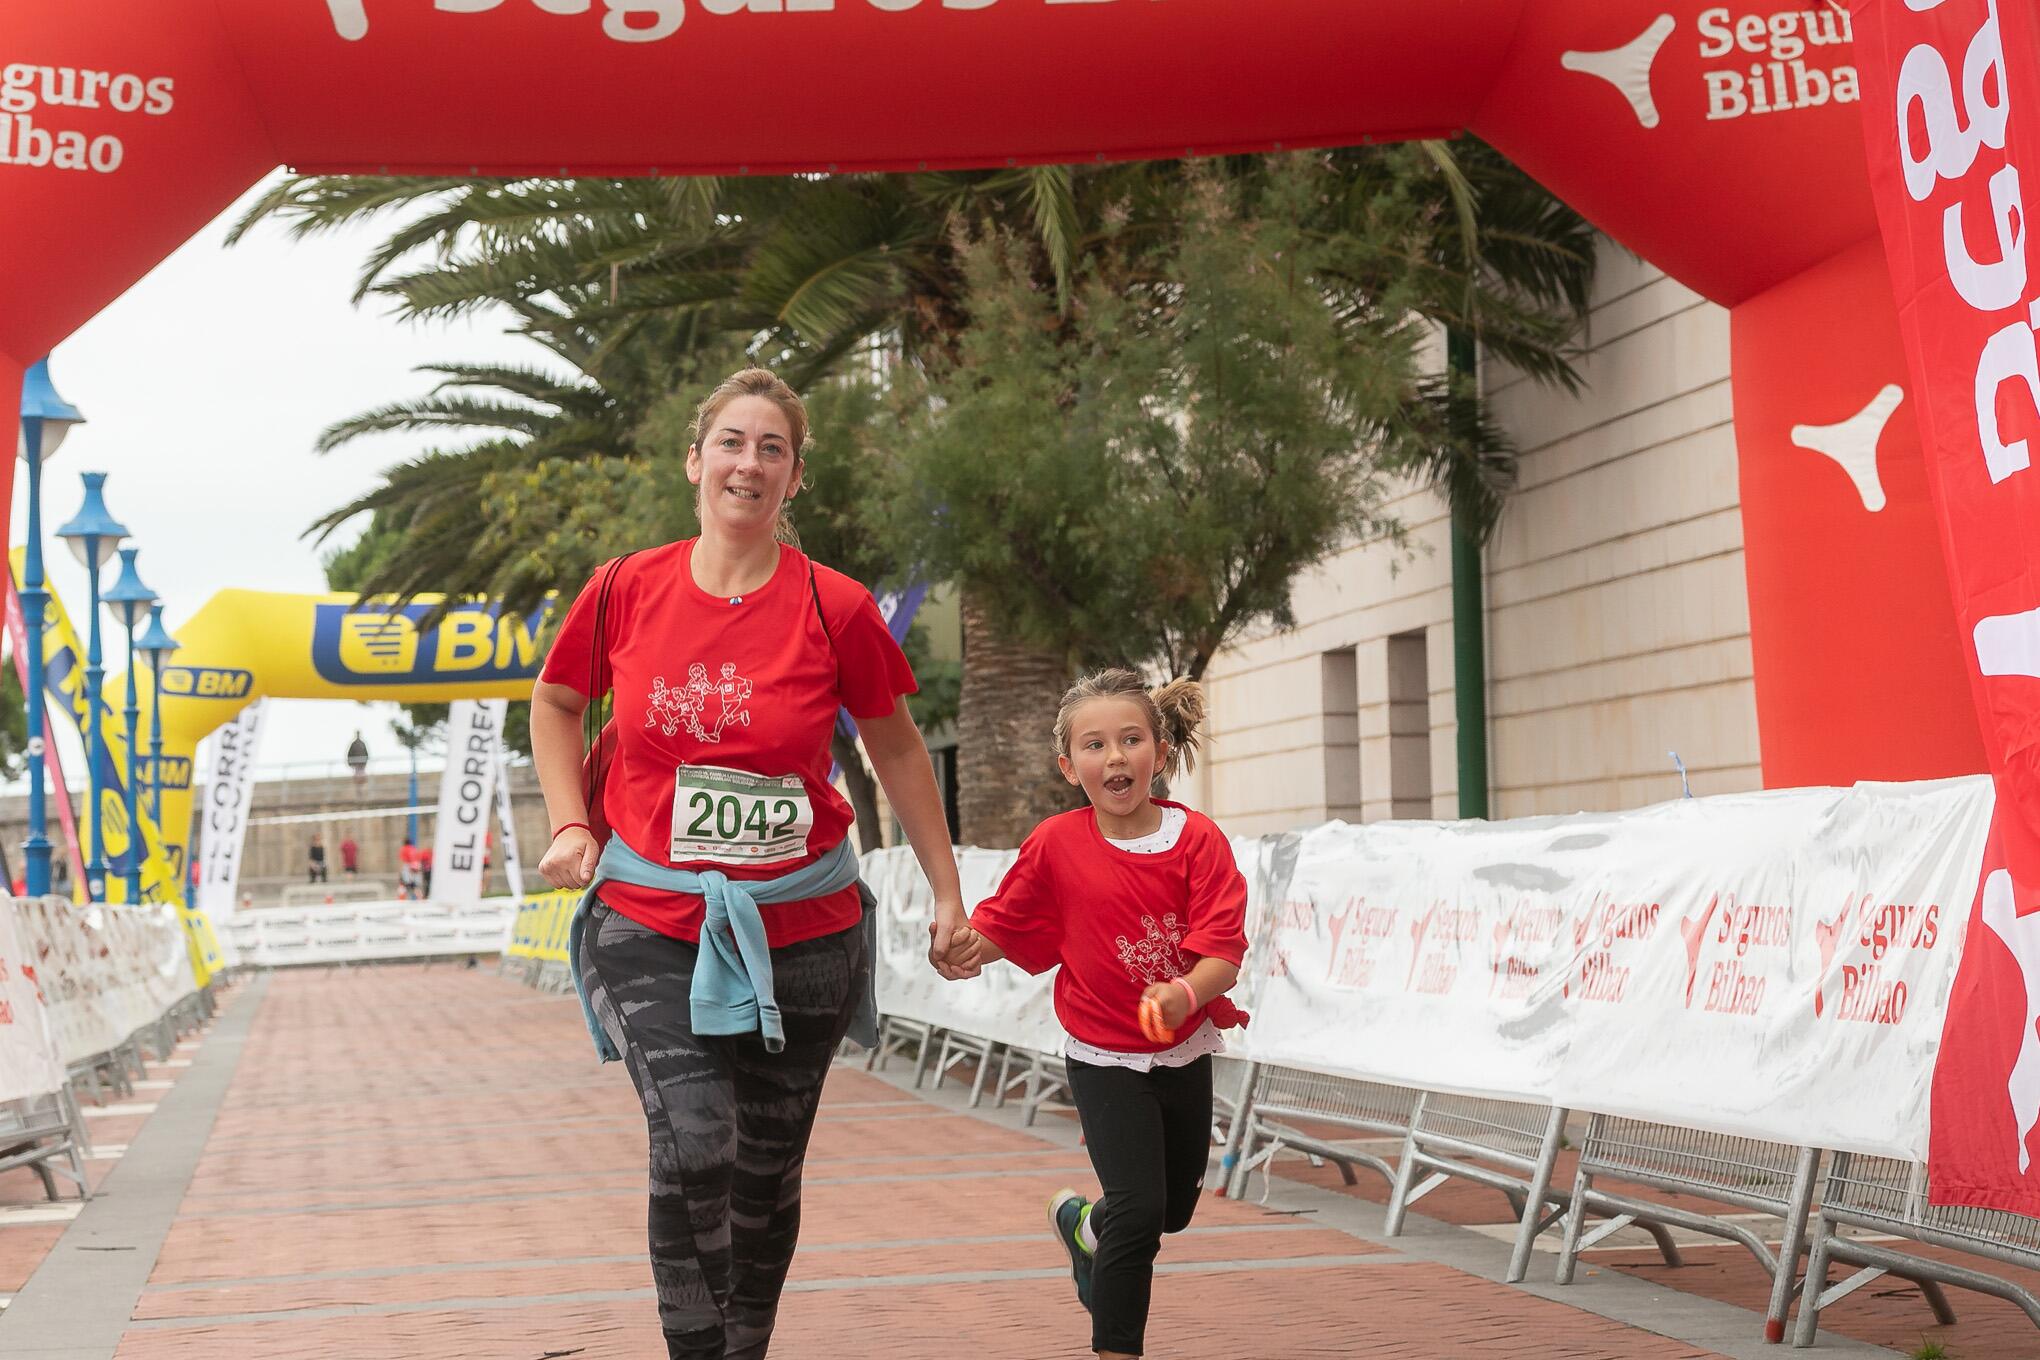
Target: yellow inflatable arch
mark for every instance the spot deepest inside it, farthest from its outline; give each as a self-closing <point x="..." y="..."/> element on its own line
<point x="245" y="645"/>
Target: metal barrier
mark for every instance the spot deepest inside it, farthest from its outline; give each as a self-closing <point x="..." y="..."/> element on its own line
<point x="1886" y="1195"/>
<point x="1509" y="1145"/>
<point x="895" y="1034"/>
<point x="957" y="1046"/>
<point x="46" y="1134"/>
<point x="1291" y="1108"/>
<point x="1769" y="1178"/>
<point x="1045" y="1080"/>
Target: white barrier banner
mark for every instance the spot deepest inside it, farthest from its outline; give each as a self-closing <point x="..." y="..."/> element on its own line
<point x="1774" y="965"/>
<point x="105" y="972"/>
<point x="29" y="1065"/>
<point x="1002" y="1003"/>
<point x="361" y="932"/>
<point x="229" y="785"/>
<point x="474" y="730"/>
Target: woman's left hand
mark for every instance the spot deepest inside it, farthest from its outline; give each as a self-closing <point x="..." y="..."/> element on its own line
<point x="950" y="918"/>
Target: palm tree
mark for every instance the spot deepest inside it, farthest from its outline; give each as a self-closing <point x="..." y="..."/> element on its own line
<point x="809" y="273"/>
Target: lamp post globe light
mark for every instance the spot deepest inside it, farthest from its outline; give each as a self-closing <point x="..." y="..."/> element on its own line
<point x="45" y="419"/>
<point x="94" y="536"/>
<point x="130" y="601"/>
<point x="158" y="646"/>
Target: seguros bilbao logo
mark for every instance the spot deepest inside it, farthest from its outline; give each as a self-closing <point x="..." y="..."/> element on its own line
<point x="380" y="645"/>
<point x="207" y="682"/>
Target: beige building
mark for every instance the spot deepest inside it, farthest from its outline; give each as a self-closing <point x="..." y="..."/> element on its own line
<point x="1617" y="620"/>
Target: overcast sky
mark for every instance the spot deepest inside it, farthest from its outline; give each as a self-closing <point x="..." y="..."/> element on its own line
<point x="204" y="388"/>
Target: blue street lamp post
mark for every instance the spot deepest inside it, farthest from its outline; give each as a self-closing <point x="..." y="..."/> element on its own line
<point x="130" y="601"/>
<point x="157" y="645"/>
<point x="94" y="535"/>
<point x="45" y="419"/>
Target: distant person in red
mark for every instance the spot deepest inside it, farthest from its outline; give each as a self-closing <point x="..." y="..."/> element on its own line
<point x="425" y="869"/>
<point x="350" y="857"/>
<point x="409" y="873"/>
<point x="20" y="886"/>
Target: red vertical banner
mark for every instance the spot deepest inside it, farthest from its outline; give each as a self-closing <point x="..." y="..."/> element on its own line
<point x="1951" y="108"/>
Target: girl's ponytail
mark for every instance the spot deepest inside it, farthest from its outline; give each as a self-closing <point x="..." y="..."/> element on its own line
<point x="1179" y="708"/>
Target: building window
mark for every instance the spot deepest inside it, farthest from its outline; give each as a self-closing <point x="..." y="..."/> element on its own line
<point x="1341" y="737"/>
<point x="1409" y="726"/>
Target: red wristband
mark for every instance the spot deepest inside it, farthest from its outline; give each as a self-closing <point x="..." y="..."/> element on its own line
<point x="1188" y="990"/>
<point x="570" y="826"/>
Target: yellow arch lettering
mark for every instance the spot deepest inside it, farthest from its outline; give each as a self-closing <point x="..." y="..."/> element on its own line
<point x="465" y="641"/>
<point x="516" y="645"/>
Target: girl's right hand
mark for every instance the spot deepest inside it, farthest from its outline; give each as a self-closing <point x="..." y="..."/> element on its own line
<point x="569" y="861"/>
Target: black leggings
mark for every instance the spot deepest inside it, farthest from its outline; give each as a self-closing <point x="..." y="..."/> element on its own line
<point x="729" y="1123"/>
<point x="1149" y="1134"/>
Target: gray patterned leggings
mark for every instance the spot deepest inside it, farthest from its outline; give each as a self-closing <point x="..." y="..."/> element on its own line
<point x="729" y="1123"/>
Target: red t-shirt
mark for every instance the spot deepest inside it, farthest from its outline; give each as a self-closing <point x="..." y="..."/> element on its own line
<point x="751" y="685"/>
<point x="1117" y="922"/>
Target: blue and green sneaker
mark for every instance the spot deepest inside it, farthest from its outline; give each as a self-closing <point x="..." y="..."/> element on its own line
<point x="1066" y="1215"/>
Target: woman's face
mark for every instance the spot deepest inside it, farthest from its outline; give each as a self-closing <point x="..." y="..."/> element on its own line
<point x="745" y="465"/>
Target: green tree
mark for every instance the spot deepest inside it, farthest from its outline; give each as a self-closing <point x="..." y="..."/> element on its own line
<point x="809" y="273"/>
<point x="1192" y="432"/>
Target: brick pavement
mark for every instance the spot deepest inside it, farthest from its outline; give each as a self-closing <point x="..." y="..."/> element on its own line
<point x="414" y="1163"/>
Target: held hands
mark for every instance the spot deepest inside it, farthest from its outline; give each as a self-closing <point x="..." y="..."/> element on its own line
<point x="569" y="862"/>
<point x="954" y="948"/>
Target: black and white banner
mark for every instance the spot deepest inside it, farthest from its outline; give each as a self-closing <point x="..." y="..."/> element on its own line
<point x="223" y="816"/>
<point x="467" y="791"/>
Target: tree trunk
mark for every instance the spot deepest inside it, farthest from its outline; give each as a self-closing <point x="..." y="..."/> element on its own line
<point x="1006" y="774"/>
<point x="862" y="788"/>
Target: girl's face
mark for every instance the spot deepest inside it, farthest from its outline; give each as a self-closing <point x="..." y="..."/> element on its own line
<point x="1113" y="754"/>
<point x="745" y="465"/>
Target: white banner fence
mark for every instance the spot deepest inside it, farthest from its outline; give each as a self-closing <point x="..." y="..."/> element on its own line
<point x="1772" y="965"/>
<point x="367" y="932"/>
<point x="79" y="982"/>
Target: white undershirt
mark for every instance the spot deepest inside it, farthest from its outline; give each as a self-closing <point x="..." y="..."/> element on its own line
<point x="1162" y="838"/>
<point x="1206" y="1038"/>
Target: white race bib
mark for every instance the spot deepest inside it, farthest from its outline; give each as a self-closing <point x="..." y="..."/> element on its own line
<point x="727" y="816"/>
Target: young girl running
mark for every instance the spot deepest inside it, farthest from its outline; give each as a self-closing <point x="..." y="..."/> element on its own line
<point x="1142" y="905"/>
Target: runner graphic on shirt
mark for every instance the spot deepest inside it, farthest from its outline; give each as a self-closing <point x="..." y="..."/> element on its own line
<point x="669" y="708"/>
<point x="1158" y="956"/>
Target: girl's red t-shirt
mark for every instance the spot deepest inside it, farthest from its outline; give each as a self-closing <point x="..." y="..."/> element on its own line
<point x="1116" y="921"/>
<point x="749" y="685"/>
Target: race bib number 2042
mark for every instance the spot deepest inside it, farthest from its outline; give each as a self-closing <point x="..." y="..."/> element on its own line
<point x="727" y="816"/>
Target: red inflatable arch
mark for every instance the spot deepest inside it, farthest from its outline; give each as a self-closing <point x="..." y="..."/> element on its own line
<point x="1722" y="142"/>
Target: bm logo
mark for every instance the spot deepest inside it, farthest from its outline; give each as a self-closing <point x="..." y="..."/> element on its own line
<point x="377" y="645"/>
<point x="207" y="682"/>
<point x="176" y="772"/>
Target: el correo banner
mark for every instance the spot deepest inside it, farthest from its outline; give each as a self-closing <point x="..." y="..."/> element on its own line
<point x="1775" y="965"/>
<point x="474" y="730"/>
<point x="229" y="787"/>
